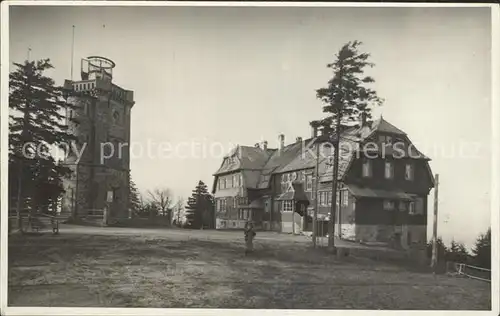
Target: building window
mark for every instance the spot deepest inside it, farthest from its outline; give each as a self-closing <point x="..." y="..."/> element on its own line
<point x="283" y="178"/>
<point x="388" y="205"/>
<point x="116" y="117"/>
<point x="267" y="206"/>
<point x="388" y="140"/>
<point x="323" y="198"/>
<point x="235" y="202"/>
<point x="367" y="168"/>
<point x="236" y="180"/>
<point x="326" y="198"/>
<point x="389" y="170"/>
<point x="385" y="140"/>
<point x="402" y="206"/>
<point x="230" y="182"/>
<point x="345" y="197"/>
<point x="309" y="182"/>
<point x="223" y="206"/>
<point x="409" y="172"/>
<point x="411" y="208"/>
<point x="287" y="206"/>
<point x="419" y="206"/>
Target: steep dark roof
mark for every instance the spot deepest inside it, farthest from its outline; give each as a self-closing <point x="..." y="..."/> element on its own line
<point x="246" y="158"/>
<point x="304" y="159"/>
<point x="301" y="155"/>
<point x="278" y="159"/>
<point x="382" y="125"/>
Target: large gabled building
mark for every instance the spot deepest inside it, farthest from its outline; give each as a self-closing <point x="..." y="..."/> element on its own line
<point x="384" y="182"/>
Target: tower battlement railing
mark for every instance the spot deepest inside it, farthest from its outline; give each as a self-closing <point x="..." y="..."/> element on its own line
<point x="94" y="67"/>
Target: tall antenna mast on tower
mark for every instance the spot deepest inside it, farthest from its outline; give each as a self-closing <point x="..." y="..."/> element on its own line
<point x="29" y="53"/>
<point x="72" y="51"/>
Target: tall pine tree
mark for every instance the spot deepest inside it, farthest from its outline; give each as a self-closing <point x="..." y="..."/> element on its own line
<point x="346" y="95"/>
<point x="36" y="126"/>
<point x="482" y="250"/>
<point x="457" y="252"/>
<point x="134" y="198"/>
<point x="346" y="98"/>
<point x="200" y="208"/>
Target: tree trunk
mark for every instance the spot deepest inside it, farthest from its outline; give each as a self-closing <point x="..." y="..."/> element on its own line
<point x="19" y="197"/>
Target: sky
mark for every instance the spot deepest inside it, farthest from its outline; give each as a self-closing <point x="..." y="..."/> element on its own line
<point x="220" y="76"/>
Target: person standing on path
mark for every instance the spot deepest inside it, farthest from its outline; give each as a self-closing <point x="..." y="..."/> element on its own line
<point x="249" y="236"/>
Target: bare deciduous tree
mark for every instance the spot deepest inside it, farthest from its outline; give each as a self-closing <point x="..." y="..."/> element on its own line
<point x="162" y="198"/>
<point x="179" y="205"/>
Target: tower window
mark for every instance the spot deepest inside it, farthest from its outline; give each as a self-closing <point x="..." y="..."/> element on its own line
<point x="116" y="117"/>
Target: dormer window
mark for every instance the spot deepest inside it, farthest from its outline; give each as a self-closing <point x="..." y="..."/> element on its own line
<point x="385" y="139"/>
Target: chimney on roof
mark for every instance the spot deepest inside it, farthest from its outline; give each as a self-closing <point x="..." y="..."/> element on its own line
<point x="363" y="119"/>
<point x="264" y="145"/>
<point x="281" y="139"/>
<point x="298" y="139"/>
<point x="314" y="131"/>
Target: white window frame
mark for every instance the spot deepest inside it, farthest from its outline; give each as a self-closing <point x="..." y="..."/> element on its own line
<point x="329" y="198"/>
<point x="389" y="164"/>
<point x="325" y="198"/>
<point x="419" y="206"/>
<point x="367" y="168"/>
<point x="409" y="172"/>
<point x="389" y="205"/>
<point x="403" y="206"/>
<point x="309" y="182"/>
<point x="411" y="208"/>
<point x="345" y="197"/>
<point x="287" y="206"/>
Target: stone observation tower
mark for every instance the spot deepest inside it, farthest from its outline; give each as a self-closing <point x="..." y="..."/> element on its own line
<point x="100" y="118"/>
